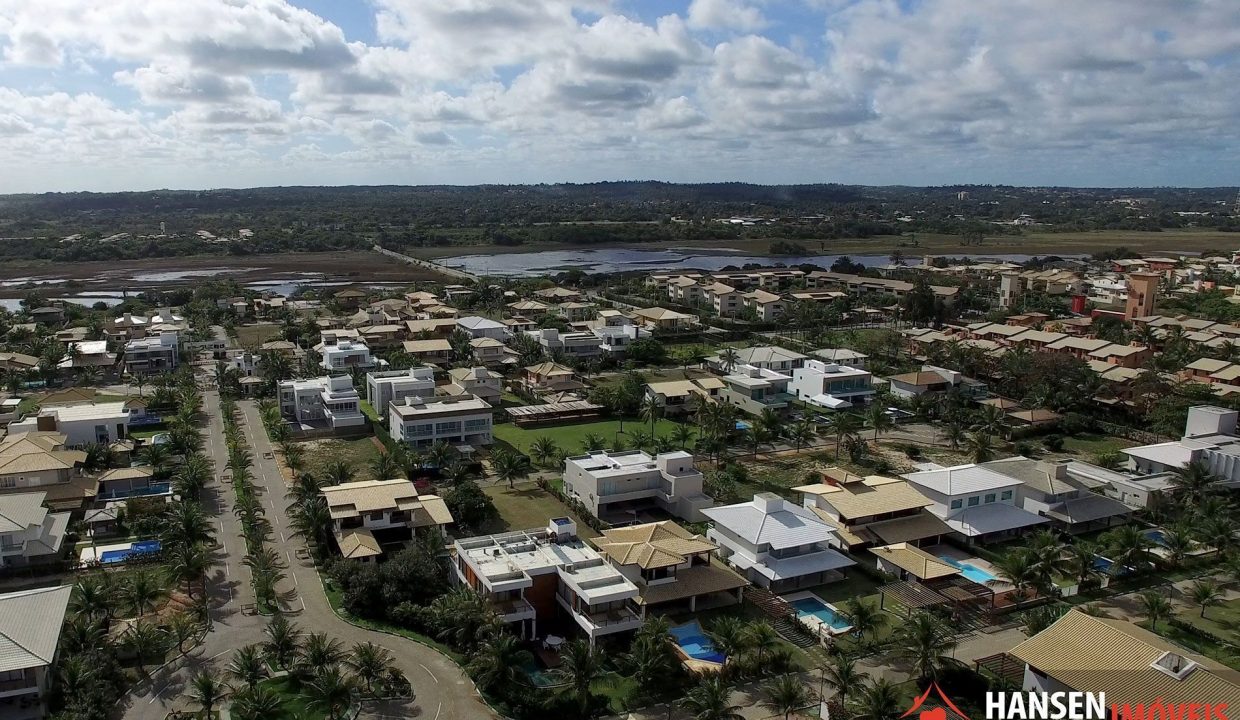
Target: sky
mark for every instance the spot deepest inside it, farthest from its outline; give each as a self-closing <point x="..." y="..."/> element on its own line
<point x="142" y="94"/>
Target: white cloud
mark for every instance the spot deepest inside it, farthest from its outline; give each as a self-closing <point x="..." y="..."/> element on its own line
<point x="725" y="15"/>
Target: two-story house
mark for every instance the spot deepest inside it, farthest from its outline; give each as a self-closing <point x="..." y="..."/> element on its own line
<point x="754" y="389"/>
<point x="29" y="534"/>
<point x="1051" y="491"/>
<point x="678" y="397"/>
<point x="831" y="385"/>
<point x="476" y="381"/>
<point x="532" y="576"/>
<point x="330" y="401"/>
<point x="571" y="344"/>
<point x="480" y="327"/>
<point x="345" y="355"/>
<point x="978" y="503"/>
<point x="767" y="357"/>
<point x="30" y="625"/>
<point x="81" y="424"/>
<point x="614" y="340"/>
<point x="387" y="386"/>
<point x="776" y="544"/>
<point x="670" y="566"/>
<point x="153" y="354"/>
<point x="488" y="351"/>
<point x="454" y="419"/>
<point x="369" y="514"/>
<point x="872" y="510"/>
<point x="435" y="351"/>
<point x="624" y="484"/>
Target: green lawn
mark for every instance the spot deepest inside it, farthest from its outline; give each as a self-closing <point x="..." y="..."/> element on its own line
<point x="369" y="411"/>
<point x="528" y="506"/>
<point x="569" y="438"/>
<point x="1091" y="445"/>
<point x="255" y="335"/>
<point x="1222" y="620"/>
<point x="294" y="702"/>
<point x="854" y="585"/>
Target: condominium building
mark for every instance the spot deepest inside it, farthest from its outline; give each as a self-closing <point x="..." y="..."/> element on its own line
<point x="538" y="575"/>
<point x="457" y="420"/>
<point x="624" y="484"/>
<point x="330" y="401"/>
<point x="389" y="386"/>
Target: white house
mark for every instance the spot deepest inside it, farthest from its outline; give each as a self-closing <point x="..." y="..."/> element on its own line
<point x="458" y="420"/>
<point x="157" y="353"/>
<point x="625" y="483"/>
<point x="776" y="544"/>
<point x="1050" y="490"/>
<point x="572" y="344"/>
<point x="754" y="389"/>
<point x="325" y="400"/>
<point x="30" y="624"/>
<point x="480" y="327"/>
<point x="81" y="425"/>
<point x="767" y="357"/>
<point x="477" y="381"/>
<point x="532" y="576"/>
<point x="395" y="385"/>
<point x="831" y="385"/>
<point x="979" y="503"/>
<point x="346" y="354"/>
<point x="844" y="356"/>
<point x="614" y="340"/>
<point x="1209" y="438"/>
<point x="29" y="534"/>
<point x="369" y="514"/>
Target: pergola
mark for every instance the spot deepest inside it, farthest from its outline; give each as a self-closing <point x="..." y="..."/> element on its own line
<point x="553" y="412"/>
<point x="912" y="595"/>
<point x="1002" y="666"/>
<point x="962" y="590"/>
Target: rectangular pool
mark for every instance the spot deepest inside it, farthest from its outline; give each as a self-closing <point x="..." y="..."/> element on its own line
<point x="145" y="547"/>
<point x="693" y="642"/>
<point x="970" y="571"/>
<point x="813" y="607"/>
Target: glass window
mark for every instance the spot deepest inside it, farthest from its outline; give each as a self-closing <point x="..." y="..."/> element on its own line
<point x="973" y="501"/>
<point x="990" y="497"/>
<point x="957" y="504"/>
<point x="1007" y="495"/>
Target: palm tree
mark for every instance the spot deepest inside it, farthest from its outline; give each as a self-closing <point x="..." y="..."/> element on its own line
<point x="927" y="643"/>
<point x="682" y="435"/>
<point x="651" y="410"/>
<point x="193" y="475"/>
<point x="879" y="700"/>
<point x="186" y="524"/>
<point x="593" y="442"/>
<point x="1193" y="482"/>
<point x="187" y="563"/>
<point x="802" y="434"/>
<point x="785" y="695"/>
<point x="332" y="692"/>
<point x="320" y="652"/>
<point x="95" y="597"/>
<point x="878" y="418"/>
<point x="543" y="449"/>
<point x="141" y="592"/>
<point x="842" y="676"/>
<point x="371" y="663"/>
<point x="384" y="467"/>
<point x="183" y="627"/>
<point x="1157" y="607"/>
<point x="844" y="425"/>
<point x="1178" y="542"/>
<point x="1205" y="593"/>
<point x="955" y="435"/>
<point x="283" y="642"/>
<point x="206" y="691"/>
<point x="866" y="618"/>
<point x="1128" y="547"/>
<point x="248" y="666"/>
<point x="508" y="466"/>
<point x="991" y="420"/>
<point x="727" y="635"/>
<point x="729" y="359"/>
<point x="582" y="665"/>
<point x="1017" y="567"/>
<point x="1215" y="530"/>
<point x="761" y="638"/>
<point x="981" y="447"/>
<point x="711" y="700"/>
<point x="257" y="704"/>
<point x="337" y="472"/>
<point x="144" y="640"/>
<point x="498" y="661"/>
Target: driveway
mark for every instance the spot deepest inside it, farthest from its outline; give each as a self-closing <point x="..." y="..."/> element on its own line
<point x="443" y="690"/>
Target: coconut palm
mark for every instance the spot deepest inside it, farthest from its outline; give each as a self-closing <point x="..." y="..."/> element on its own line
<point x="785" y="695"/>
<point x="865" y="618"/>
<point x="337" y="472"/>
<point x="1193" y="482"/>
<point x="294" y="457"/>
<point x="682" y="435"/>
<point x="1082" y="557"/>
<point x="332" y="692"/>
<point x="1205" y="593"/>
<point x="878" y="419"/>
<point x="729" y="358"/>
<point x="1216" y="531"/>
<point x="1157" y="607"/>
<point x="711" y="700"/>
<point x="187" y="564"/>
<point x="498" y="662"/>
<point x="319" y="652"/>
<point x="183" y="627"/>
<point x="593" y="442"/>
<point x="312" y="521"/>
<point x="955" y="435"/>
<point x="990" y="420"/>
<point x="371" y="664"/>
<point x="878" y="700"/>
<point x="192" y="476"/>
<point x="95" y="597"/>
<point x="256" y="704"/>
<point x="927" y="644"/>
<point x="803" y="433"/>
<point x="141" y="592"/>
<point x="206" y="691"/>
<point x="282" y="643"/>
<point x="185" y="524"/>
<point x="842" y="676"/>
<point x="384" y="467"/>
<point x="248" y="666"/>
<point x="651" y="410"/>
<point x="146" y="640"/>
<point x="508" y="466"/>
<point x="1178" y="542"/>
<point x="727" y="635"/>
<point x="1128" y="547"/>
<point x="1018" y="568"/>
<point x="981" y="447"/>
<point x="843" y="426"/>
<point x="641" y="439"/>
<point x="761" y="639"/>
<point x="581" y="665"/>
<point x="543" y="449"/>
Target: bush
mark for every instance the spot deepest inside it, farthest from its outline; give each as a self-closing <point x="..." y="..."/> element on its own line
<point x="1053" y="442"/>
<point x="911" y="451"/>
<point x="1026" y="448"/>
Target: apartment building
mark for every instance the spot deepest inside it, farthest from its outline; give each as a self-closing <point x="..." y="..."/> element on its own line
<point x="30" y="626"/>
<point x="831" y="385"/>
<point x="625" y="484"/>
<point x="765" y="305"/>
<point x="370" y="514"/>
<point x="533" y="576"/>
<point x="330" y="401"/>
<point x="776" y="544"/>
<point x="455" y="419"/>
<point x="389" y="386"/>
<point x="153" y="354"/>
<point x="723" y="299"/>
<point x="684" y="291"/>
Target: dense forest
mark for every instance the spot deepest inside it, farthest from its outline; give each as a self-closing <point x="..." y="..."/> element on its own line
<point x="104" y="226"/>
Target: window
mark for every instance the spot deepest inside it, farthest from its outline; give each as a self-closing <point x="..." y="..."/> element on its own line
<point x="957" y="504"/>
<point x="8" y="482"/>
<point x="973" y="501"/>
<point x="1006" y="495"/>
<point x="990" y="497"/>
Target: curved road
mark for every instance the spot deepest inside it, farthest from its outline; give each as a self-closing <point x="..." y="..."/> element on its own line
<point x="443" y="691"/>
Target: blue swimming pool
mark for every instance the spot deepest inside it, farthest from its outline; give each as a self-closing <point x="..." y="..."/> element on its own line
<point x="972" y="572"/>
<point x="812" y="606"/>
<point x="1156" y="536"/>
<point x="693" y="641"/>
<point x="145" y="547"/>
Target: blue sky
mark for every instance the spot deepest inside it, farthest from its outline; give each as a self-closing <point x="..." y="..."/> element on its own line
<point x="137" y="94"/>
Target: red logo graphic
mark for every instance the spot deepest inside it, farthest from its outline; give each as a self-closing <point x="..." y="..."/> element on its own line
<point x="934" y="713"/>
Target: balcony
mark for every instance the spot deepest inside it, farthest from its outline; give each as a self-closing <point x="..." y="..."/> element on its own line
<point x="611" y="618"/>
<point x="19" y="686"/>
<point x="514" y="609"/>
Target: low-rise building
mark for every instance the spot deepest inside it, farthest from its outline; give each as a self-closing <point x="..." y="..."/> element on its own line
<point x="387" y="386"/>
<point x="723" y="299"/>
<point x="872" y="510"/>
<point x="30" y="625"/>
<point x="931" y="379"/>
<point x="346" y="355"/>
<point x="776" y="544"/>
<point x="370" y="514"/>
<point x="1049" y="490"/>
<point x="153" y="354"/>
<point x="678" y="397"/>
<point x="1210" y="438"/>
<point x="831" y="385"/>
<point x="670" y="566"/>
<point x="980" y="504"/>
<point x="844" y="356"/>
<point x="457" y="420"/>
<point x="81" y="424"/>
<point x="29" y="534"/>
<point x="533" y="576"/>
<point x="614" y="340"/>
<point x="625" y="484"/>
<point x="476" y="381"/>
<point x="480" y="327"/>
<point x="40" y="461"/>
<point x="578" y="345"/>
<point x="437" y="351"/>
<point x="754" y="389"/>
<point x="767" y="357"/>
<point x="330" y="401"/>
<point x="766" y="306"/>
<point x="657" y="318"/>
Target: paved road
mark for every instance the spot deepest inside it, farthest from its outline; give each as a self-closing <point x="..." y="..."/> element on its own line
<point x="443" y="690"/>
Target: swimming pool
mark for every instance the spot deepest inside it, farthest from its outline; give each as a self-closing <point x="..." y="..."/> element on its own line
<point x="694" y="643"/>
<point x="1156" y="536"/>
<point x="813" y="607"/>
<point x="145" y="547"/>
<point x="972" y="572"/>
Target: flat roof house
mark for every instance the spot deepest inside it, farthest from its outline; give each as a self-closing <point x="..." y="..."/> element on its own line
<point x="670" y="566"/>
<point x="776" y="544"/>
<point x="831" y="385"/>
<point x="454" y="419"/>
<point x="346" y="354"/>
<point x="153" y="354"/>
<point x="754" y="389"/>
<point x="1209" y="437"/>
<point x="29" y="534"/>
<point x="387" y="386"/>
<point x="370" y="514"/>
<point x="30" y="625"/>
<point x="81" y="425"/>
<point x="976" y="502"/>
<point x="330" y="401"/>
<point x="538" y="575"/>
<point x="622" y="485"/>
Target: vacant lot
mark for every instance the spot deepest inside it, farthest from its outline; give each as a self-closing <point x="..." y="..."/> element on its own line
<point x="358" y="453"/>
<point x="251" y="336"/>
<point x="528" y="506"/>
<point x="570" y="438"/>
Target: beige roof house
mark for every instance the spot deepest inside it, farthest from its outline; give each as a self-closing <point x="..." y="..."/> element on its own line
<point x="857" y="497"/>
<point x="30" y="623"/>
<point x="915" y="561"/>
<point x="653" y="545"/>
<point x="667" y="562"/>
<point x="355" y="499"/>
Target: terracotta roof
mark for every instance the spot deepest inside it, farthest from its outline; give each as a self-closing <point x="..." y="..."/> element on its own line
<point x="358" y="543"/>
<point x="357" y="498"/>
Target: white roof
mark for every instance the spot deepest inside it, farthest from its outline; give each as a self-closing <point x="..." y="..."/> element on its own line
<point x="961" y="480"/>
<point x="802" y="564"/>
<point x="829" y="401"/>
<point x="782" y="525"/>
<point x="994" y="517"/>
<point x="90" y="412"/>
<point x="30" y="623"/>
<point x="1172" y="454"/>
<point x="21" y="511"/>
<point x="480" y="323"/>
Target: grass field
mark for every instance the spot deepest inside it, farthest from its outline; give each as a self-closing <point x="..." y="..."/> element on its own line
<point x="569" y="438"/>
<point x="359" y="453"/>
<point x="529" y="506"/>
<point x="1222" y="620"/>
<point x="1091" y="445"/>
<point x="251" y="336"/>
<point x="294" y="701"/>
